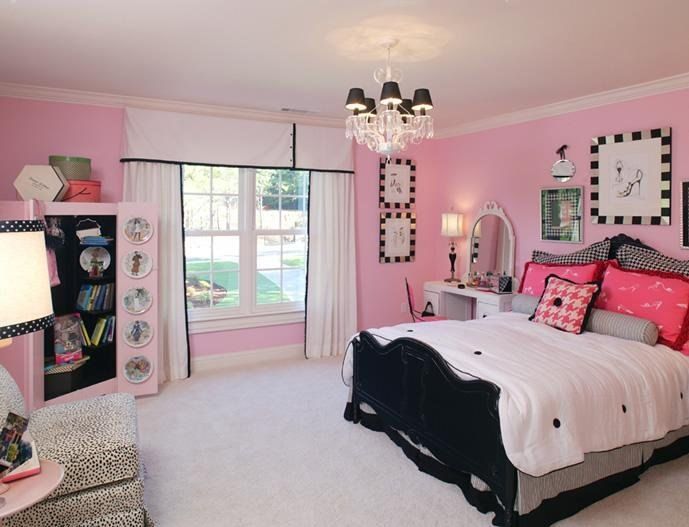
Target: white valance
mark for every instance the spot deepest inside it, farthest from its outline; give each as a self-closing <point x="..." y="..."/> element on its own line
<point x="190" y="138"/>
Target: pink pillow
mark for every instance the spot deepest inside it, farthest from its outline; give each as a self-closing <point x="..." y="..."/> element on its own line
<point x="533" y="279"/>
<point x="565" y="305"/>
<point x="657" y="296"/>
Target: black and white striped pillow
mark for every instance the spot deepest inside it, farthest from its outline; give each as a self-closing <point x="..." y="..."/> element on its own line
<point x="592" y="253"/>
<point x="638" y="258"/>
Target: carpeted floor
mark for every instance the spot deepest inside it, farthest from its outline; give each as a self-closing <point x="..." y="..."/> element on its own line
<point x="267" y="446"/>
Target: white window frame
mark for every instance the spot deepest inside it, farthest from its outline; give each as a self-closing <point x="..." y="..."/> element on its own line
<point x="248" y="314"/>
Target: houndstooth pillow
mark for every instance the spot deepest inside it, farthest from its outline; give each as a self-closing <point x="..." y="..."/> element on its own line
<point x="638" y="258"/>
<point x="595" y="251"/>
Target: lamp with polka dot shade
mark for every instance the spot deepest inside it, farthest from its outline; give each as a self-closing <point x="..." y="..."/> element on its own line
<point x="25" y="301"/>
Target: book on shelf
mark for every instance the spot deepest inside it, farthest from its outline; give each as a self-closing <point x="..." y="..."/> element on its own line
<point x="103" y="331"/>
<point x="67" y="338"/>
<point x="98" y="297"/>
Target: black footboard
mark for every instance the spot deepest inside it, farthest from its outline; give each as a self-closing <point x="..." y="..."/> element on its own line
<point x="414" y="391"/>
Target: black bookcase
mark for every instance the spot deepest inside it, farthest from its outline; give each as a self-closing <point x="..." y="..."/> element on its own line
<point x="101" y="365"/>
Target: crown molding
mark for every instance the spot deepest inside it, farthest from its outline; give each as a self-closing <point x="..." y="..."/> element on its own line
<point x="637" y="91"/>
<point x="43" y="93"/>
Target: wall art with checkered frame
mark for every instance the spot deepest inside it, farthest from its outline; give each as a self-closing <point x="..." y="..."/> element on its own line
<point x="561" y="214"/>
<point x="397" y="237"/>
<point x="397" y="184"/>
<point x="631" y="176"/>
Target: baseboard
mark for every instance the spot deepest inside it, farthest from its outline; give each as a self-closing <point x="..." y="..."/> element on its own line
<point x="247" y="358"/>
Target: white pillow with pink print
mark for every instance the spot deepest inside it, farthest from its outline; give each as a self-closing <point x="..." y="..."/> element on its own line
<point x="660" y="297"/>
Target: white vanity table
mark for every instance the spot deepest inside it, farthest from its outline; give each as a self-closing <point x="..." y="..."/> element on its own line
<point x="464" y="304"/>
<point x="490" y="249"/>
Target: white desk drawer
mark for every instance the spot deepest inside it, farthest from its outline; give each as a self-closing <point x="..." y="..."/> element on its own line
<point x="484" y="309"/>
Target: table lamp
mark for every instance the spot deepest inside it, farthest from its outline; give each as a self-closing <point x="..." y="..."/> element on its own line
<point x="452" y="228"/>
<point x="25" y="301"/>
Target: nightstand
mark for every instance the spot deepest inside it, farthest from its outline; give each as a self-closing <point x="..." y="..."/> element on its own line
<point x="464" y="304"/>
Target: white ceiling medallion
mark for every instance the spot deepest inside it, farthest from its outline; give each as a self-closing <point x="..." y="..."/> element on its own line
<point x="399" y="121"/>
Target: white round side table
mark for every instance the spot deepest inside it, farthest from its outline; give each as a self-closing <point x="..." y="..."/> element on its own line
<point x="23" y="493"/>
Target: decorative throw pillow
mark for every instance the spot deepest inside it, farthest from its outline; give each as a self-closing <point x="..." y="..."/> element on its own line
<point x="619" y="241"/>
<point x="535" y="274"/>
<point x="639" y="258"/>
<point x="595" y="251"/>
<point x="657" y="296"/>
<point x="622" y="326"/>
<point x="565" y="305"/>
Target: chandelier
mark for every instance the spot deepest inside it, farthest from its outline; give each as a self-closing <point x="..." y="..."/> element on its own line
<point x="392" y="124"/>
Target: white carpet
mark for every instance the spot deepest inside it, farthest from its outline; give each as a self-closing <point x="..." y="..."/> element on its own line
<point x="267" y="446"/>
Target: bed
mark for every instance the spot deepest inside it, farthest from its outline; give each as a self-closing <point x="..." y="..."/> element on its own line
<point x="532" y="424"/>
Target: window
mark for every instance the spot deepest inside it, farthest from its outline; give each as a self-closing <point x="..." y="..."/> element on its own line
<point x="246" y="242"/>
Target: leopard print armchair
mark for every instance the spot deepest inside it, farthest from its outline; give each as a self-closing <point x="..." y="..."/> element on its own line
<point x="95" y="440"/>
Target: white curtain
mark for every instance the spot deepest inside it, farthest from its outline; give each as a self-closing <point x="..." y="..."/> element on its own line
<point x="331" y="282"/>
<point x="161" y="183"/>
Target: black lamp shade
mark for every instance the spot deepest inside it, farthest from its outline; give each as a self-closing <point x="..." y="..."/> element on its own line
<point x="405" y="107"/>
<point x="370" y="105"/>
<point x="422" y="100"/>
<point x="355" y="100"/>
<point x="390" y="93"/>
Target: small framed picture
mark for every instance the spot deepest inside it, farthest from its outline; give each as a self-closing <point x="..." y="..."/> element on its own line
<point x="397" y="187"/>
<point x="685" y="215"/>
<point x="561" y="214"/>
<point x="138" y="369"/>
<point x="631" y="177"/>
<point x="137" y="264"/>
<point x="137" y="300"/>
<point x="138" y="333"/>
<point x="138" y="230"/>
<point x="397" y="237"/>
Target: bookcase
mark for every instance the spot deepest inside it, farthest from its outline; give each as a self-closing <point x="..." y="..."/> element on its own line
<point x="109" y="290"/>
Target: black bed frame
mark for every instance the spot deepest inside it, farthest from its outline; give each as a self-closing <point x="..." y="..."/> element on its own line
<point x="414" y="391"/>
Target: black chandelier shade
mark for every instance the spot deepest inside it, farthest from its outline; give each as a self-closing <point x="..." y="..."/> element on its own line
<point x="406" y="107"/>
<point x="390" y="94"/>
<point x="355" y="100"/>
<point x="370" y="105"/>
<point x="422" y="100"/>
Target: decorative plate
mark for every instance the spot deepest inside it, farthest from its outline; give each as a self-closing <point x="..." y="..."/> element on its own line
<point x="137" y="264"/>
<point x="137" y="300"/>
<point x="94" y="258"/>
<point x="138" y="333"/>
<point x="138" y="369"/>
<point x="138" y="230"/>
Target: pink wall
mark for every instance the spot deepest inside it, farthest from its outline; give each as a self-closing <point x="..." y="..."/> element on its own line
<point x="510" y="165"/>
<point x="30" y="131"/>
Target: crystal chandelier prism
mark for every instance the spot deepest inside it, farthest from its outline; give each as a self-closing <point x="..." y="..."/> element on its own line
<point x="392" y="124"/>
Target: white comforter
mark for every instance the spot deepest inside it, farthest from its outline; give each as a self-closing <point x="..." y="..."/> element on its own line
<point x="544" y="374"/>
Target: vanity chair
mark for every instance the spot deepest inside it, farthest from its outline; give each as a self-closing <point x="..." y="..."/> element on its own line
<point x="491" y="249"/>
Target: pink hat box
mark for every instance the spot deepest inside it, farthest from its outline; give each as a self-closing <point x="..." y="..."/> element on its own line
<point x="83" y="191"/>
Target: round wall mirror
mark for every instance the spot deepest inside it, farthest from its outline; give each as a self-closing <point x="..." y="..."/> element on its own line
<point x="563" y="169"/>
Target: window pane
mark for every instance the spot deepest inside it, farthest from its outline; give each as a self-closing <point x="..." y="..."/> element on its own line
<point x="225" y="213"/>
<point x="225" y="253"/>
<point x="294" y="183"/>
<point x="293" y="213"/>
<point x="267" y="213"/>
<point x="197" y="213"/>
<point x="268" y="181"/>
<point x="198" y="288"/>
<point x="197" y="250"/>
<point x="225" y="180"/>
<point x="197" y="179"/>
<point x="293" y="285"/>
<point x="225" y="289"/>
<point x="268" y="252"/>
<point x="294" y="251"/>
<point x="268" y="287"/>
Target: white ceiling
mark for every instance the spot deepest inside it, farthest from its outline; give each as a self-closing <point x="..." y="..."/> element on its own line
<point x="480" y="58"/>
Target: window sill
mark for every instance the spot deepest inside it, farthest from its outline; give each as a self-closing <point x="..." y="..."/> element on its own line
<point x="229" y="323"/>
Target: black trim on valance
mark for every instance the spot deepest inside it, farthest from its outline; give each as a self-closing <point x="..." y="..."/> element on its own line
<point x="167" y="162"/>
